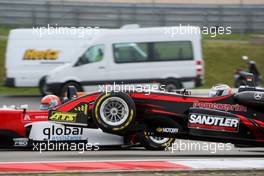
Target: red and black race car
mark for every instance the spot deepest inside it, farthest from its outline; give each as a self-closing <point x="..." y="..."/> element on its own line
<point x="237" y="118"/>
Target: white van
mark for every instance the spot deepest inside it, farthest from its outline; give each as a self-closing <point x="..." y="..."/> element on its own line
<point x="129" y="56"/>
<point x="31" y="55"/>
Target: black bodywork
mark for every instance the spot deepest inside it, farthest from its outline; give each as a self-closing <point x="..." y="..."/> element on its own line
<point x="236" y="118"/>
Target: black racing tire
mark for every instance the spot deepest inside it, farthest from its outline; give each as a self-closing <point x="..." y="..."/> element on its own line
<point x="154" y="143"/>
<point x="65" y="86"/>
<point x="114" y="112"/>
<point x="43" y="86"/>
<point x="171" y="86"/>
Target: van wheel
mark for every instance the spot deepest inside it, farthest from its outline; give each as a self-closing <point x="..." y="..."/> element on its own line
<point x="114" y="112"/>
<point x="154" y="143"/>
<point x="66" y="85"/>
<point x="43" y="86"/>
<point x="172" y="86"/>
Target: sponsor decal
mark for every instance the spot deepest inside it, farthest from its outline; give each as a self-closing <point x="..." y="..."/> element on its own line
<point x="212" y="122"/>
<point x="27" y="117"/>
<point x="41" y="117"/>
<point x="82" y="108"/>
<point x="32" y="54"/>
<point x="63" y="133"/>
<point x="220" y="106"/>
<point x="257" y="96"/>
<point x="20" y="142"/>
<point x="63" y="116"/>
<point x="167" y="130"/>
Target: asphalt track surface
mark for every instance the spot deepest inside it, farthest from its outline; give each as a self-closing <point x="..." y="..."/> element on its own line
<point x="132" y="154"/>
<point x="17" y="100"/>
<point x="125" y="155"/>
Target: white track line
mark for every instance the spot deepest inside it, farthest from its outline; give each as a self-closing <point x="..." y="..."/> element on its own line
<point x="242" y="163"/>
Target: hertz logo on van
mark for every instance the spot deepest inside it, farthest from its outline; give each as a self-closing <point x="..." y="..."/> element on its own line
<point x="32" y="54"/>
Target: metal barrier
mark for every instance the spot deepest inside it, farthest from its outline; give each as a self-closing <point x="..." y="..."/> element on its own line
<point x="28" y="13"/>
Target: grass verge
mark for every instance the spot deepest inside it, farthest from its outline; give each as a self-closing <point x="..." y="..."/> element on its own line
<point x="222" y="58"/>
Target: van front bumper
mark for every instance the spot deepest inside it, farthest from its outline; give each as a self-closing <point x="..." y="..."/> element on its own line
<point x="54" y="88"/>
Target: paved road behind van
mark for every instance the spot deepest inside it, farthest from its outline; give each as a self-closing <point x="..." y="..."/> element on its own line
<point x="32" y="101"/>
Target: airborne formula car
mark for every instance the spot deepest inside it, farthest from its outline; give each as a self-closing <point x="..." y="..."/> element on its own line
<point x="20" y="127"/>
<point x="237" y="118"/>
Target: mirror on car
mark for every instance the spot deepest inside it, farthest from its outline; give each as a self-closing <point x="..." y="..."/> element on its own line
<point x="71" y="92"/>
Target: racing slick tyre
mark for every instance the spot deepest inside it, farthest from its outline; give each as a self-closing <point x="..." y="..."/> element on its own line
<point x="114" y="112"/>
<point x="154" y="143"/>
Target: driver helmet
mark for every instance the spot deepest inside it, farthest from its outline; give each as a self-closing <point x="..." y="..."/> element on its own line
<point x="220" y="90"/>
<point x="49" y="102"/>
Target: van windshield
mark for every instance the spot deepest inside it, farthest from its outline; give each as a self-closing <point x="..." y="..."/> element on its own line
<point x="91" y="55"/>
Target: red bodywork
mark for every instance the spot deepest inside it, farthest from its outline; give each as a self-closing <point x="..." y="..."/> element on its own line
<point x="13" y="121"/>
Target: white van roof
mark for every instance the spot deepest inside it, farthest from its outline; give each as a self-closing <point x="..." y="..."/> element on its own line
<point x="68" y="33"/>
<point x="151" y="34"/>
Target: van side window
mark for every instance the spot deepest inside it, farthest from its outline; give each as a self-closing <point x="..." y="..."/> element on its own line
<point x="153" y="51"/>
<point x="91" y="55"/>
<point x="130" y="52"/>
<point x="167" y="51"/>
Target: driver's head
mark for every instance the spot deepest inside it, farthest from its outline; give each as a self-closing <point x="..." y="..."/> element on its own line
<point x="49" y="102"/>
<point x="220" y="90"/>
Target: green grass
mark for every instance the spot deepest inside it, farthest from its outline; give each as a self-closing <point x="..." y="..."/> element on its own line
<point x="4" y="31"/>
<point x="222" y="58"/>
<point x="18" y="91"/>
<point x="235" y="36"/>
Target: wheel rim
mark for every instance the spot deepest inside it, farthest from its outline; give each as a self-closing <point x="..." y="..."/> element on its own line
<point x="114" y="111"/>
<point x="159" y="140"/>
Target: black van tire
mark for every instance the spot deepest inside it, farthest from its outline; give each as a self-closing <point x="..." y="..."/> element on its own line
<point x="115" y="118"/>
<point x="172" y="85"/>
<point x="43" y="86"/>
